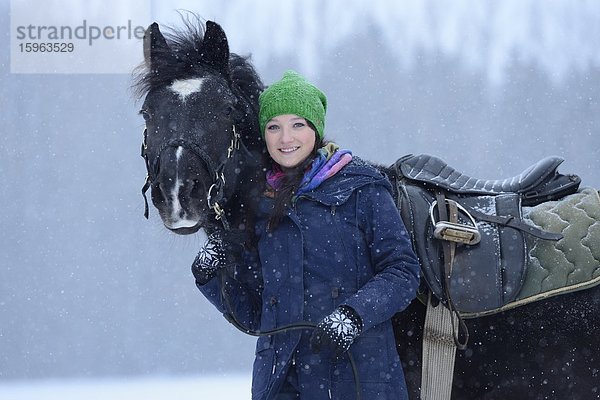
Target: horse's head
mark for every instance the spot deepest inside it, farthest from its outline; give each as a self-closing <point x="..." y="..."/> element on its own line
<point x="200" y="106"/>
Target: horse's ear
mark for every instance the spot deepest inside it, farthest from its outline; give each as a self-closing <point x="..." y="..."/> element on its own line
<point x="214" y="51"/>
<point x="155" y="46"/>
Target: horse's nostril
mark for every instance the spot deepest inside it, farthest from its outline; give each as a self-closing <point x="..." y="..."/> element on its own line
<point x="158" y="192"/>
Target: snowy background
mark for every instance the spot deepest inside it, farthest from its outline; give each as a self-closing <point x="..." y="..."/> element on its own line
<point x="97" y="302"/>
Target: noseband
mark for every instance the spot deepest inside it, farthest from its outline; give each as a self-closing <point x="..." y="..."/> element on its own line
<point x="216" y="190"/>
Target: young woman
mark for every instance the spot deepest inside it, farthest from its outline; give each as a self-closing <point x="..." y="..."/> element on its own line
<point x="330" y="250"/>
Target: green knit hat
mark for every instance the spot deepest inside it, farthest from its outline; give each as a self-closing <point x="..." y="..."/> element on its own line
<point x="293" y="95"/>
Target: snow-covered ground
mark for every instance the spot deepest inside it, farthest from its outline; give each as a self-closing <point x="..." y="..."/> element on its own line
<point x="222" y="387"/>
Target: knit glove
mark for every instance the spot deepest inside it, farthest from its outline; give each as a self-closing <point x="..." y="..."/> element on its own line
<point x="337" y="331"/>
<point x="220" y="250"/>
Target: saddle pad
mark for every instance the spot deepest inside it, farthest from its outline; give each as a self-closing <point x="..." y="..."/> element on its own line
<point x="573" y="262"/>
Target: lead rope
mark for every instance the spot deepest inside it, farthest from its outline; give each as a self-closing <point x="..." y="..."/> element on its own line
<point x="230" y="316"/>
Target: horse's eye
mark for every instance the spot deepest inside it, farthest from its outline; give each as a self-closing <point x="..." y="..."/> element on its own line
<point x="145" y="114"/>
<point x="228" y="110"/>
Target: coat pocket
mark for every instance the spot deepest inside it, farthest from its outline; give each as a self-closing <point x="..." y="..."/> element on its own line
<point x="264" y="362"/>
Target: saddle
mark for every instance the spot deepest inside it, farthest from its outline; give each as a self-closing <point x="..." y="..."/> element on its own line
<point x="469" y="233"/>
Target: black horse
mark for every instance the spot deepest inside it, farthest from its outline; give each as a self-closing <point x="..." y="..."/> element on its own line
<point x="206" y="164"/>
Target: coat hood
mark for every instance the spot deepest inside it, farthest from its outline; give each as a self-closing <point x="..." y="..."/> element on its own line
<point x="338" y="189"/>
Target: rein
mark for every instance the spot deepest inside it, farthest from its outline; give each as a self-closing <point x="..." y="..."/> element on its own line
<point x="302" y="325"/>
<point x="216" y="190"/>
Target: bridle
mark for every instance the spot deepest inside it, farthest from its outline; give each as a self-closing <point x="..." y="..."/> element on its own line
<point x="216" y="191"/>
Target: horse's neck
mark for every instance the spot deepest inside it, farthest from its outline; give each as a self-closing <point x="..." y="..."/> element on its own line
<point x="250" y="182"/>
<point x="250" y="163"/>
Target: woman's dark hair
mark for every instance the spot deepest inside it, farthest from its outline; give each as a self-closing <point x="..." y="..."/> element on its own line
<point x="290" y="183"/>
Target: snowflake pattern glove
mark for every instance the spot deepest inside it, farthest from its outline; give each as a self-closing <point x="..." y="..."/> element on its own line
<point x="210" y="258"/>
<point x="338" y="331"/>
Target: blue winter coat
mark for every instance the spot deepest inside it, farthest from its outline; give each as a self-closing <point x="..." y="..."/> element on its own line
<point x="343" y="243"/>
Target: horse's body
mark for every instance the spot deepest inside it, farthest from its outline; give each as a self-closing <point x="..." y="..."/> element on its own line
<point x="544" y="350"/>
<point x="196" y="92"/>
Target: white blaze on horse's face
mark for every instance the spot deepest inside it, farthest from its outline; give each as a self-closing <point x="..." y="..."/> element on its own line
<point x="185" y="87"/>
<point x="179" y="218"/>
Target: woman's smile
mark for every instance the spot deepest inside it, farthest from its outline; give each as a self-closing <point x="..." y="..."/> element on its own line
<point x="289" y="149"/>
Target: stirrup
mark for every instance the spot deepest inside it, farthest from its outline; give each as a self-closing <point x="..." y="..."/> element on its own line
<point x="452" y="231"/>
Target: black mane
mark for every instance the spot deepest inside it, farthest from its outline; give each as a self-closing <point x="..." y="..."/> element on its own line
<point x="184" y="44"/>
<point x="183" y="59"/>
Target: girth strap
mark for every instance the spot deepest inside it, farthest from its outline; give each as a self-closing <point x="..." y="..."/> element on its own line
<point x="439" y="352"/>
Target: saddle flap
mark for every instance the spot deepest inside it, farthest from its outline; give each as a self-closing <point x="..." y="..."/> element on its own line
<point x="490" y="274"/>
<point x="485" y="276"/>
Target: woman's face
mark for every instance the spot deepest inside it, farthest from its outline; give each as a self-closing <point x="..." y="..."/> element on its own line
<point x="290" y="140"/>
